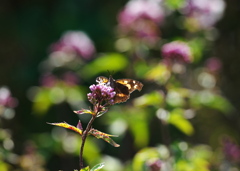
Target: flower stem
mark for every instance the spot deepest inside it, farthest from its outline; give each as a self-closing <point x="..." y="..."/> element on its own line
<point x="84" y="137"/>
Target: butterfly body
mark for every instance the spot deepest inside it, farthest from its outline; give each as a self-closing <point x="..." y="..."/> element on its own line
<point x="122" y="87"/>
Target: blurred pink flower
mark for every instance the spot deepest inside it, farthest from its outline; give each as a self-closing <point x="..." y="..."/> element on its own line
<point x="70" y="78"/>
<point x="205" y="12"/>
<point x="176" y="52"/>
<point x="213" y="64"/>
<point x="6" y="99"/>
<point x="48" y="80"/>
<point x="141" y="19"/>
<point x="155" y="165"/>
<point x="231" y="150"/>
<point x="75" y="41"/>
<point x="135" y="9"/>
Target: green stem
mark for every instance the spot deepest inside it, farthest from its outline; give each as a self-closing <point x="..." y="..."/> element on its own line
<point x="84" y="136"/>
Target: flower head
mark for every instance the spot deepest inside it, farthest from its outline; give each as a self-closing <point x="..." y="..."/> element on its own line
<point x="75" y="42"/>
<point x="140" y="19"/>
<point x="213" y="64"/>
<point x="70" y="78"/>
<point x="101" y="93"/>
<point x="231" y="150"/>
<point x="6" y="99"/>
<point x="48" y="80"/>
<point x="205" y="13"/>
<point x="136" y="9"/>
<point x="177" y="52"/>
<point x="154" y="164"/>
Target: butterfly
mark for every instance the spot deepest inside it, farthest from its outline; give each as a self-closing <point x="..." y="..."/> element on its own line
<point x="123" y="87"/>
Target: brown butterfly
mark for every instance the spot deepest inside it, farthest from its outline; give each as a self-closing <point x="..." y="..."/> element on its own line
<point x="122" y="87"/>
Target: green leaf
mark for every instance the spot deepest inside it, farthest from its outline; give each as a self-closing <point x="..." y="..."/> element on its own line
<point x="104" y="136"/>
<point x="97" y="167"/>
<point x="112" y="62"/>
<point x="175" y="4"/>
<point x="138" y="125"/>
<point x="84" y="111"/>
<point x="143" y="156"/>
<point x="158" y="73"/>
<point x="197" y="46"/>
<point x="140" y="68"/>
<point x="198" y="160"/>
<point x="66" y="125"/>
<point x="104" y="110"/>
<point x="75" y="93"/>
<point x="85" y="169"/>
<point x="42" y="101"/>
<point x="211" y="100"/>
<point x="151" y="99"/>
<point x="177" y="119"/>
<point x="175" y="98"/>
<point x="4" y="166"/>
<point x="92" y="152"/>
<point x="137" y="121"/>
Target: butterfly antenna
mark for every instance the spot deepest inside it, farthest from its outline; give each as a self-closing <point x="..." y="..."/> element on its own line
<point x="110" y="72"/>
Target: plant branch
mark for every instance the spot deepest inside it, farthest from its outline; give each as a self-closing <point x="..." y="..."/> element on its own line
<point x="84" y="137"/>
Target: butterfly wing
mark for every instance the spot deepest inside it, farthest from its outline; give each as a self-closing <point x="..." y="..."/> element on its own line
<point x="102" y="80"/>
<point x="122" y="93"/>
<point x="131" y="84"/>
<point x="124" y="87"/>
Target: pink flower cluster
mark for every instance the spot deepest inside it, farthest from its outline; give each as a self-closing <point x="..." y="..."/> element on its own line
<point x="231" y="150"/>
<point x="50" y="80"/>
<point x="6" y="99"/>
<point x="155" y="165"/>
<point x="140" y="19"/>
<point x="136" y="9"/>
<point x="75" y="42"/>
<point x="213" y="64"/>
<point x="176" y="52"/>
<point x="205" y="12"/>
<point x="101" y="93"/>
